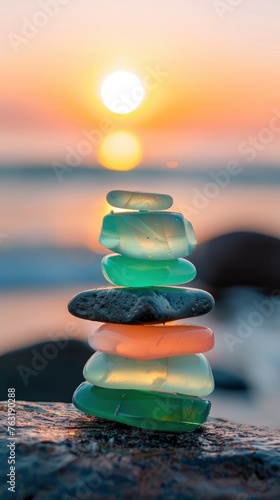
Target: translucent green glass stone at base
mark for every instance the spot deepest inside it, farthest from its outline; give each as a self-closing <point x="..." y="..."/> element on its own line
<point x="123" y="271"/>
<point x="148" y="235"/>
<point x="134" y="200"/>
<point x="147" y="410"/>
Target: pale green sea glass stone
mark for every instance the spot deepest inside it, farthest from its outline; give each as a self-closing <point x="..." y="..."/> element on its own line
<point x="123" y="271"/>
<point x="148" y="410"/>
<point x="134" y="200"/>
<point x="148" y="235"/>
<point x="190" y="375"/>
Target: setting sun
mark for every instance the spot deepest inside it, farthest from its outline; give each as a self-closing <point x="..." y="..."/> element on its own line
<point x="122" y="92"/>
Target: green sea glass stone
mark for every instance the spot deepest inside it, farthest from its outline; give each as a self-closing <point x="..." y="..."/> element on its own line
<point x="147" y="410"/>
<point x="123" y="271"/>
<point x="190" y="375"/>
<point x="148" y="235"/>
<point x="134" y="200"/>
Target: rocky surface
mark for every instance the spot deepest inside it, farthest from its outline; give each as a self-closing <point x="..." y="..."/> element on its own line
<point x="140" y="305"/>
<point x="63" y="454"/>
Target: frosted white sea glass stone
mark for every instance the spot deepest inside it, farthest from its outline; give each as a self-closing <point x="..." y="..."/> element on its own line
<point x="134" y="200"/>
<point x="148" y="235"/>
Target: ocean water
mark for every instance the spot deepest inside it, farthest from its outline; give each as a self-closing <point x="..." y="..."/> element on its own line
<point x="49" y="251"/>
<point x="39" y="209"/>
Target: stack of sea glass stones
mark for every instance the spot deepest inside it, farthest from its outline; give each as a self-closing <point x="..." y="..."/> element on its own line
<point x="148" y="370"/>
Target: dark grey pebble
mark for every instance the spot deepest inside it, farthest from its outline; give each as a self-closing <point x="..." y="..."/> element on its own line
<point x="140" y="305"/>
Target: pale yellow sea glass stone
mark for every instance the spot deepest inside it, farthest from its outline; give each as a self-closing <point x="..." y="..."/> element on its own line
<point x="190" y="375"/>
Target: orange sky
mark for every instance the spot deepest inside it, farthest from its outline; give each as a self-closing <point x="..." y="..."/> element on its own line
<point x="218" y="80"/>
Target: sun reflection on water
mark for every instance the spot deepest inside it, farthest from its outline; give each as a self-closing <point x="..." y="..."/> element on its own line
<point x="120" y="151"/>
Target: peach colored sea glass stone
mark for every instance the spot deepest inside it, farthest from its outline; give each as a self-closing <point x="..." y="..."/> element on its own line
<point x="151" y="341"/>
